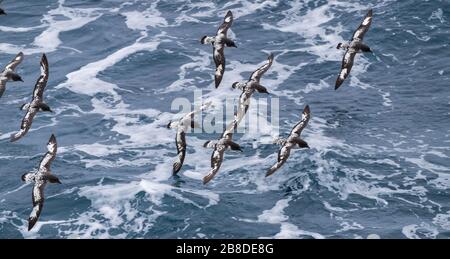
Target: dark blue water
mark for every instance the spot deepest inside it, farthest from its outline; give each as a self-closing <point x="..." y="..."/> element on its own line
<point x="379" y="162"/>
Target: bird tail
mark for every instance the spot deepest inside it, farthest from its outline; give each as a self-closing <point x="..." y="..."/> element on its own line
<point x="53" y="179"/>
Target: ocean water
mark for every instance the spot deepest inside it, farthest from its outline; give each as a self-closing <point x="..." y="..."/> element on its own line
<point x="379" y="162"/>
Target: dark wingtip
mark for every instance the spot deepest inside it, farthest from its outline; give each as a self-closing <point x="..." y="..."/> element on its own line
<point x="168" y="124"/>
<point x="234" y="85"/>
<point x="338" y="83"/>
<point x="339" y="45"/>
<point x="13" y="138"/>
<point x="176" y="169"/>
<point x="44" y="60"/>
<point x="271" y="56"/>
<point x="206" y="179"/>
<point x="306" y="109"/>
<point x="23" y="177"/>
<point x="206" y="143"/>
<point x="52" y="138"/>
<point x="31" y="224"/>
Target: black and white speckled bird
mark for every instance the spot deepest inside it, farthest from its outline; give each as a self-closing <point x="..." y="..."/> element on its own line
<point x="356" y="45"/>
<point x="37" y="104"/>
<point x="225" y="142"/>
<point x="40" y="178"/>
<point x="249" y="87"/>
<point x="292" y="141"/>
<point x="182" y="125"/>
<point x="219" y="42"/>
<point x="9" y="73"/>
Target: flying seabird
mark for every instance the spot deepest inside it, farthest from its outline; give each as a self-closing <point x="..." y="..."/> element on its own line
<point x="219" y="42"/>
<point x="356" y="45"/>
<point x="182" y="126"/>
<point x="40" y="178"/>
<point x="2" y="12"/>
<point x="9" y="73"/>
<point x="219" y="148"/>
<point x="249" y="87"/>
<point x="291" y="142"/>
<point x="37" y="103"/>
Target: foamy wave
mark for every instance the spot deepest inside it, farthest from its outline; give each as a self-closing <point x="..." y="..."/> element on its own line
<point x="287" y="230"/>
<point x="48" y="40"/>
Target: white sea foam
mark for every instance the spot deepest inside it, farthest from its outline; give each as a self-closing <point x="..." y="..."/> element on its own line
<point x="49" y="40"/>
<point x="419" y="231"/>
<point x="287" y="230"/>
<point x="150" y="17"/>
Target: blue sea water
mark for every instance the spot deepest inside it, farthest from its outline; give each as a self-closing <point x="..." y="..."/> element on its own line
<point x="379" y="162"/>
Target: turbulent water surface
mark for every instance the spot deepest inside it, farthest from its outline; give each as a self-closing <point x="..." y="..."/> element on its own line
<point x="379" y="161"/>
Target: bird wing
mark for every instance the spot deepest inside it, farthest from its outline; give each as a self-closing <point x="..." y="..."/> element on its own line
<point x="346" y="67"/>
<point x="227" y="22"/>
<point x="15" y="62"/>
<point x="189" y="117"/>
<point x="38" y="203"/>
<point x="50" y="155"/>
<point x="26" y="123"/>
<point x="219" y="60"/>
<point x="180" y="141"/>
<point x="363" y="27"/>
<point x="216" y="162"/>
<point x="210" y="144"/>
<point x="283" y="155"/>
<point x="2" y="86"/>
<point x="256" y="75"/>
<point x="42" y="80"/>
<point x="298" y="128"/>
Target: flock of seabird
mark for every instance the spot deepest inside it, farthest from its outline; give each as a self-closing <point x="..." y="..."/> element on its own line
<point x="219" y="42"/>
<point x="42" y="175"/>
